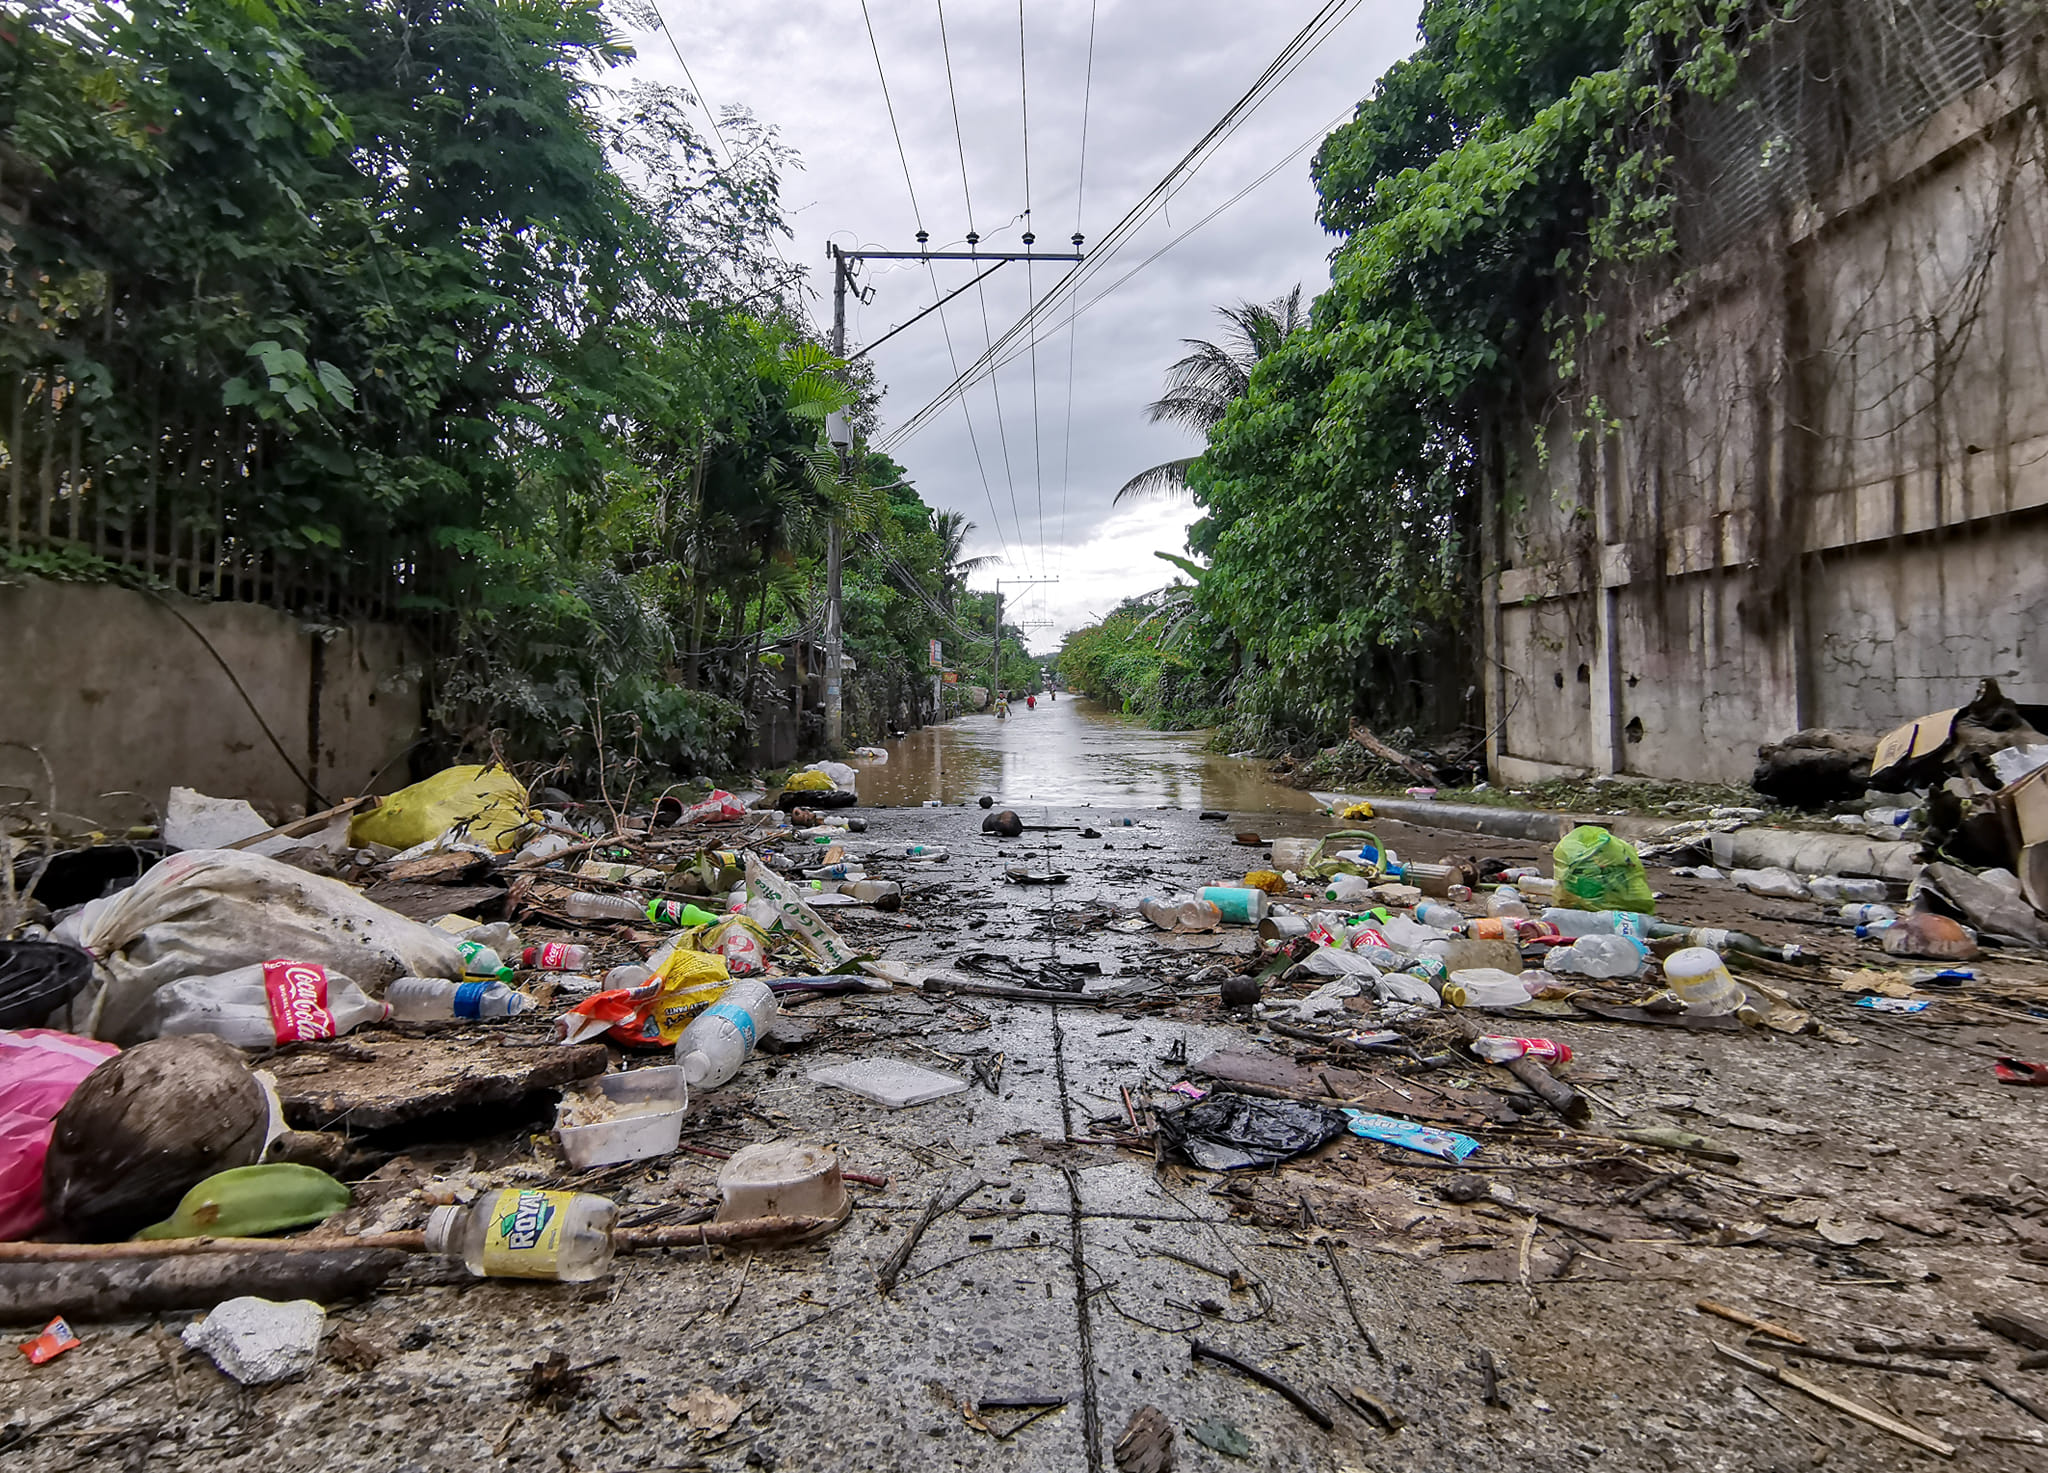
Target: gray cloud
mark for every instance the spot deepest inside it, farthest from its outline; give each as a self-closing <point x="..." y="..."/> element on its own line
<point x="1163" y="73"/>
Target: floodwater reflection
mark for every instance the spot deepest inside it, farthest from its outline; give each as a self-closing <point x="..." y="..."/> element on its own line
<point x="1070" y="752"/>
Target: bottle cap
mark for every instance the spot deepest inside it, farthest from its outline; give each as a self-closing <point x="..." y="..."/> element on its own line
<point x="440" y="1231"/>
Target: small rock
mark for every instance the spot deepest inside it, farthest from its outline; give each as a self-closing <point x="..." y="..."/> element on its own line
<point x="257" y="1341"/>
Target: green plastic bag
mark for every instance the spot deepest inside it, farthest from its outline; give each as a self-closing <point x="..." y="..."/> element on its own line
<point x="1596" y="871"/>
<point x="249" y="1201"/>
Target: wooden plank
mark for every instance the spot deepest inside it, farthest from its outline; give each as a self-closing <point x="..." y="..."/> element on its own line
<point x="1836" y="1400"/>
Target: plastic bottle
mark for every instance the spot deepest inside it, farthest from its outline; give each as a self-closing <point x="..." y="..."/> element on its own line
<point x="479" y="960"/>
<point x="1868" y="915"/>
<point x="843" y="870"/>
<point x="1841" y="887"/>
<point x="1507" y="903"/>
<point x="1371" y="943"/>
<point x="265" y="1005"/>
<point x="720" y="1038"/>
<point x="1430" y="969"/>
<point x="587" y="907"/>
<point x="517" y="1233"/>
<point x="1497" y="1048"/>
<point x="1345" y="888"/>
<point x="1443" y="917"/>
<point x="1163" y="914"/>
<point x="431" y="1000"/>
<point x="555" y="956"/>
<point x="1598" y="956"/>
<point x="1197" y="914"/>
<point x="1238" y="904"/>
<point x="1485" y="987"/>
<point x="632" y="974"/>
<point x="1700" y="978"/>
<point x="1576" y="923"/>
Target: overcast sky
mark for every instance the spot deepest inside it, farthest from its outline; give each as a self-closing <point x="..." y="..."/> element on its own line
<point x="1164" y="72"/>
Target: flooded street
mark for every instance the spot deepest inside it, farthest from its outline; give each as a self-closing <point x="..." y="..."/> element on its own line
<point x="1075" y="753"/>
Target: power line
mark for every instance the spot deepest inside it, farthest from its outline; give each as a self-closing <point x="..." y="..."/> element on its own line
<point x="1073" y="335"/>
<point x="890" y="104"/>
<point x="1328" y="17"/>
<point x="1030" y="285"/>
<point x="981" y="294"/>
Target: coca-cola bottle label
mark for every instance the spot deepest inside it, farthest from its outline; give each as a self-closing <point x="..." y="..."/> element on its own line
<point x="297" y="992"/>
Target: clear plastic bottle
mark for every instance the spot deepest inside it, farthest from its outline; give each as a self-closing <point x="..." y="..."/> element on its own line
<point x="266" y="1005"/>
<point x="632" y="974"/>
<point x="431" y="1000"/>
<point x="881" y="894"/>
<point x="1485" y="987"/>
<point x="1868" y="915"/>
<point x="555" y="956"/>
<point x="720" y="1038"/>
<point x="1700" y="978"/>
<point x="518" y="1233"/>
<point x="1197" y="914"/>
<point x="1577" y="923"/>
<point x="662" y="912"/>
<point x="1507" y="903"/>
<point x="1443" y="917"/>
<point x="1342" y="889"/>
<point x="1842" y="887"/>
<point x="843" y="870"/>
<point x="1164" y="914"/>
<point x="1598" y="956"/>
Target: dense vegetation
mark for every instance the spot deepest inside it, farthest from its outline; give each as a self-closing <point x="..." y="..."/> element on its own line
<point x="412" y="293"/>
<point x="1485" y="196"/>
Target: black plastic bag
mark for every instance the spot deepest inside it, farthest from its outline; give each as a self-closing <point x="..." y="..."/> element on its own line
<point x="1227" y="1132"/>
<point x="37" y="978"/>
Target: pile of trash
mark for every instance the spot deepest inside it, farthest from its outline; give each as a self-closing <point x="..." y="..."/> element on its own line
<point x="192" y="1055"/>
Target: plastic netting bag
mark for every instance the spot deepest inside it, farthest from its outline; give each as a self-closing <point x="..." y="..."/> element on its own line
<point x="1597" y="871"/>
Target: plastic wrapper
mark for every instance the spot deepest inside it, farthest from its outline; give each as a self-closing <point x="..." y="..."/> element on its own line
<point x="1597" y="871"/>
<point x="740" y="942"/>
<point x="1446" y="1144"/>
<point x="1228" y="1132"/>
<point x="809" y="782"/>
<point x="799" y="920"/>
<point x="720" y="807"/>
<point x="39" y="1071"/>
<point x="487" y="805"/>
<point x="654" y="1014"/>
<point x="53" y="1342"/>
<point x="209" y="911"/>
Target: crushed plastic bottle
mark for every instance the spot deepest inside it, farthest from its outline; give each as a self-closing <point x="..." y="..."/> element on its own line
<point x="1343" y="889"/>
<point x="1867" y="915"/>
<point x="1485" y="987"/>
<point x="1507" y="903"/>
<point x="266" y="1005"/>
<point x="1576" y="923"/>
<point x="518" y="1233"/>
<point x="1842" y="887"/>
<point x="662" y="912"/>
<point x="1598" y="956"/>
<point x="1500" y="1048"/>
<point x="1442" y="917"/>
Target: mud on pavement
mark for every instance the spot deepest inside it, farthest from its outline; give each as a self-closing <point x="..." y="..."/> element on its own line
<point x="1534" y="1306"/>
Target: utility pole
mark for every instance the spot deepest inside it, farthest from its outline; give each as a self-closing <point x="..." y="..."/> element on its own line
<point x="996" y="654"/>
<point x="835" y="649"/>
<point x="843" y="265"/>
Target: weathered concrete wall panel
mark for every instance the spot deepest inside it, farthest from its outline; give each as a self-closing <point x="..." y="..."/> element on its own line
<point x="1818" y="493"/>
<point x="123" y="700"/>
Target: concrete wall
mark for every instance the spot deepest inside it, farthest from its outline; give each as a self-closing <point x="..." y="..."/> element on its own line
<point x="1821" y="496"/>
<point x="124" y="701"/>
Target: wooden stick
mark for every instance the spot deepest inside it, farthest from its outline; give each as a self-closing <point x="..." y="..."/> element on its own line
<point x="719" y="1234"/>
<point x="1350" y="1303"/>
<point x="1748" y="1322"/>
<point x="936" y="985"/>
<point x="1199" y="1351"/>
<point x="935" y="1209"/>
<point x="300" y="827"/>
<point x="1861" y="1363"/>
<point x="1836" y="1400"/>
<point x="2012" y="1394"/>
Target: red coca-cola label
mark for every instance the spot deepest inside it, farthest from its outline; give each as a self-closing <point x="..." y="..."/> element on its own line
<point x="298" y="1001"/>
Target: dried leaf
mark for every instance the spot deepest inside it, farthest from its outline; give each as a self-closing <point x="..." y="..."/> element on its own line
<point x="707" y="1410"/>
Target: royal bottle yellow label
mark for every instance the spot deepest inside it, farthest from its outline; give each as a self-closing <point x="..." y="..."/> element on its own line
<point x="524" y="1240"/>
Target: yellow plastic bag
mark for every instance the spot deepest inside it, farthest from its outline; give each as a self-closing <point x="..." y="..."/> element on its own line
<point x="488" y="803"/>
<point x="1267" y="880"/>
<point x="808" y="782"/>
<point x="1356" y="812"/>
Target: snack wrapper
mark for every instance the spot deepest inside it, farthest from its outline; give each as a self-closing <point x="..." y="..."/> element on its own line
<point x="1427" y="1139"/>
<point x="53" y="1342"/>
<point x="654" y="1014"/>
<point x="797" y="918"/>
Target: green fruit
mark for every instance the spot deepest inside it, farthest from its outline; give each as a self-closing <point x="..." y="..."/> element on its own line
<point x="252" y="1200"/>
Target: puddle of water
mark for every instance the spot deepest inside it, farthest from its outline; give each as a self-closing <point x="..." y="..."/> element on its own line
<point x="1070" y="752"/>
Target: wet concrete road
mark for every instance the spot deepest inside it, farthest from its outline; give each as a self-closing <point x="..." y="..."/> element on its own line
<point x="1070" y="751"/>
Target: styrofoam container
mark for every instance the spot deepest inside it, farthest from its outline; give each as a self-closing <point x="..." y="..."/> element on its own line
<point x="782" y="1179"/>
<point x="891" y="1082"/>
<point x="635" y="1137"/>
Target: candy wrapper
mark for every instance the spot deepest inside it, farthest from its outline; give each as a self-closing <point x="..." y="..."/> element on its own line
<point x="740" y="942"/>
<point x="53" y="1342"/>
<point x="802" y="923"/>
<point x="1427" y="1139"/>
<point x="654" y="1014"/>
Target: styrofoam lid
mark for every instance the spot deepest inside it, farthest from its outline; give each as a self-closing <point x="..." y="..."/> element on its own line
<point x="890" y="1082"/>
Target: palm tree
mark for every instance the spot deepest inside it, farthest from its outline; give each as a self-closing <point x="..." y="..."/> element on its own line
<point x="1204" y="384"/>
<point x="953" y="530"/>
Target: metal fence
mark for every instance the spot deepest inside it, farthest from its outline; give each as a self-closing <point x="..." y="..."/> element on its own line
<point x="1832" y="83"/>
<point x="177" y="510"/>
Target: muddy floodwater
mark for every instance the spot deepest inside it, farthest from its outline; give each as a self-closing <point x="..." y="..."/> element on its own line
<point x="1074" y="753"/>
